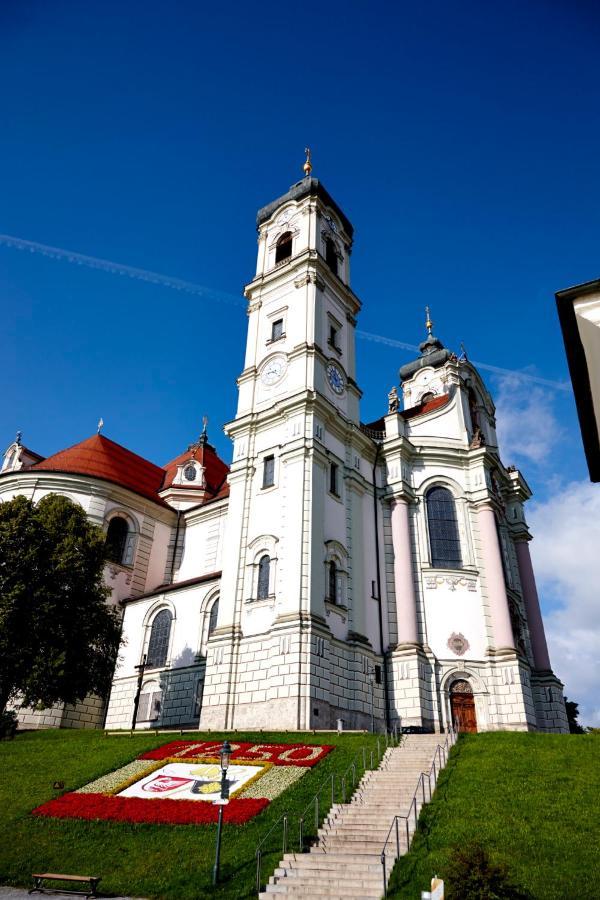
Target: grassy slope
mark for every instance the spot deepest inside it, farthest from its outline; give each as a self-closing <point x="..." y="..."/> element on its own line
<point x="154" y="861"/>
<point x="531" y="799"/>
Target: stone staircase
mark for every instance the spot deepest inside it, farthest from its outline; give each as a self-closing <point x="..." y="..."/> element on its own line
<point x="346" y="860"/>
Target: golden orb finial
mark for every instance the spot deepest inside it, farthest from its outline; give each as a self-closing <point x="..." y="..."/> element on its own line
<point x="428" y="323"/>
<point x="307" y="165"/>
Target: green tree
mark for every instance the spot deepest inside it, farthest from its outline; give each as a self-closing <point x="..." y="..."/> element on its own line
<point x="58" y="637"/>
<point x="572" y="709"/>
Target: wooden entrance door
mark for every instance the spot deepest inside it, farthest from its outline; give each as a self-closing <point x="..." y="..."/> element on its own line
<point x="462" y="706"/>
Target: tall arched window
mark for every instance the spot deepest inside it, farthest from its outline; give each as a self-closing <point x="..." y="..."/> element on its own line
<point x="116" y="539"/>
<point x="158" y="645"/>
<point x="444" y="540"/>
<point x="283" y="248"/>
<point x="264" y="571"/>
<point x="332" y="582"/>
<point x="331" y="257"/>
<point x="212" y="619"/>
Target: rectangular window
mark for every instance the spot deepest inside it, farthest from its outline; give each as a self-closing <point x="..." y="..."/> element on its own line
<point x="333" y="333"/>
<point x="277" y="330"/>
<point x="268" y="471"/>
<point x="333" y="479"/>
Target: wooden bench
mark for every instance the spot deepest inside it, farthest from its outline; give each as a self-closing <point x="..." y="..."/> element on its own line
<point x="38" y="884"/>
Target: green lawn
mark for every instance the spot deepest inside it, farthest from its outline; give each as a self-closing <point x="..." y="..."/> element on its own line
<point x="154" y="861"/>
<point x="531" y="799"/>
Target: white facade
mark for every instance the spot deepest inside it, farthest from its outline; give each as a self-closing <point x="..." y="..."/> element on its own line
<point x="316" y="584"/>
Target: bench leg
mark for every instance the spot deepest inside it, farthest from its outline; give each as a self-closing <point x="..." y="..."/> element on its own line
<point x="37" y="887"/>
<point x="93" y="887"/>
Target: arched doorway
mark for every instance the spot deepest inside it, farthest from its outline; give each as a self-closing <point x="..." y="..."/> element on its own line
<point x="462" y="706"/>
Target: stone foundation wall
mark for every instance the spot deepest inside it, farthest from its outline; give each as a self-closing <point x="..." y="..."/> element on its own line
<point x="420" y="686"/>
<point x="549" y="703"/>
<point x="178" y="706"/>
<point x="290" y="679"/>
<point x="412" y="689"/>
<point x="87" y="714"/>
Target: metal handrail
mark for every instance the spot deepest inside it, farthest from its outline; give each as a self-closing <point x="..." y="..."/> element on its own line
<point x="283" y="820"/>
<point x="343" y="778"/>
<point x="258" y="853"/>
<point x="414" y="808"/>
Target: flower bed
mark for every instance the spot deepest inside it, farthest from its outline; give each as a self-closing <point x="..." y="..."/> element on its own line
<point x="165" y="785"/>
<point x="156" y="811"/>
<point x="279" y="754"/>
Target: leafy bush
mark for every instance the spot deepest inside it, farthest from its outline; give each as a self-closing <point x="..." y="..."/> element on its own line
<point x="471" y="875"/>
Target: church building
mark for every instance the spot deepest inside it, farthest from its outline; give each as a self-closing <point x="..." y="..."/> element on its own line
<point x="378" y="574"/>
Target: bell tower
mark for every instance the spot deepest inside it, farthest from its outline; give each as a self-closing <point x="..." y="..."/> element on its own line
<point x="289" y="584"/>
<point x="301" y="308"/>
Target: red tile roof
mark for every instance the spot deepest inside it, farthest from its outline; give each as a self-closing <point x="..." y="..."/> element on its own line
<point x="429" y="406"/>
<point x="215" y="471"/>
<point x="100" y="457"/>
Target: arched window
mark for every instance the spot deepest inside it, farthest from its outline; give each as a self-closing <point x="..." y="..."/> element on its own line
<point x="116" y="539"/>
<point x="332" y="582"/>
<point x="283" y="249"/>
<point x="212" y="619"/>
<point x="331" y="257"/>
<point x="158" y="645"/>
<point x="444" y="540"/>
<point x="150" y="702"/>
<point x="264" y="571"/>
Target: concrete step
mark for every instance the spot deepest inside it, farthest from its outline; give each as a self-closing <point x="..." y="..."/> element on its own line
<point x="346" y="860"/>
<point x="365" y="879"/>
<point x="326" y="864"/>
<point x="308" y="890"/>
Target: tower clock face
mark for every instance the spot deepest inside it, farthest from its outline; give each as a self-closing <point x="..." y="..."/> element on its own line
<point x="274" y="370"/>
<point x="335" y="378"/>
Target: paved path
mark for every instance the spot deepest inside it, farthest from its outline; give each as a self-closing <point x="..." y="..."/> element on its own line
<point x="13" y="893"/>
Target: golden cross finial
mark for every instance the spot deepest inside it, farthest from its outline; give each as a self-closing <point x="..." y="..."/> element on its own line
<point x="307" y="165"/>
<point x="428" y="323"/>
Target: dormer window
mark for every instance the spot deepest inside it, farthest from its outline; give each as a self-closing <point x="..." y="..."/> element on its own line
<point x="190" y="473"/>
<point x="283" y="249"/>
<point x="331" y="257"/>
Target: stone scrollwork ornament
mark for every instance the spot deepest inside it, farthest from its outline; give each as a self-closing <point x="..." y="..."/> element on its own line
<point x="458" y="643"/>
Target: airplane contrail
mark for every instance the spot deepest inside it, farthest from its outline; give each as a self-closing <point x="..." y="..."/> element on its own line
<point x="497" y="370"/>
<point x="107" y="265"/>
<point x="198" y="290"/>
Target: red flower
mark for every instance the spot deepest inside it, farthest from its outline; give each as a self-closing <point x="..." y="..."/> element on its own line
<point x="157" y="811"/>
<point x="306" y="755"/>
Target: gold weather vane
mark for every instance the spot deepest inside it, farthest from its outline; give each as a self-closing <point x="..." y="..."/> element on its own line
<point x="307" y="165"/>
<point x="428" y="323"/>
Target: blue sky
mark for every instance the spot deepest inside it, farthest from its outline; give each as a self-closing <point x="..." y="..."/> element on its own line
<point x="462" y="140"/>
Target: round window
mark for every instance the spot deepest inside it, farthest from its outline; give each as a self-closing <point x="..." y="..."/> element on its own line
<point x="190" y="473"/>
